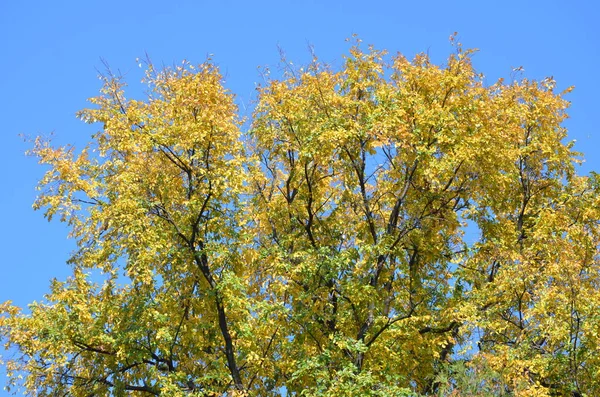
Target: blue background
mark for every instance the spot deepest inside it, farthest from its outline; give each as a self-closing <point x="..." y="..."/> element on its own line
<point x="50" y="55"/>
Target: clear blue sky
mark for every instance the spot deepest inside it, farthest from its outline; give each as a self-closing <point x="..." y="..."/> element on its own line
<point x="50" y="51"/>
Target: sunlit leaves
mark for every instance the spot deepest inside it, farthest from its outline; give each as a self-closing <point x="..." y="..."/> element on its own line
<point x="391" y="228"/>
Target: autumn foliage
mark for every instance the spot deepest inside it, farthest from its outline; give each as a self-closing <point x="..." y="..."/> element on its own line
<point x="392" y="228"/>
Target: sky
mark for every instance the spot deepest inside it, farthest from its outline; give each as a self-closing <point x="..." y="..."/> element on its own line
<point x="52" y="53"/>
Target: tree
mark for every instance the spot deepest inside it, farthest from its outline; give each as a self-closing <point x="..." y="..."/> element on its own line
<point x="326" y="251"/>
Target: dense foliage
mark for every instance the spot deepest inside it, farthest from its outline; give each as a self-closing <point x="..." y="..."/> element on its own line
<point x="393" y="228"/>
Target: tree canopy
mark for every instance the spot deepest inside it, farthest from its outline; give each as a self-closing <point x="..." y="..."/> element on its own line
<point x="391" y="228"/>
